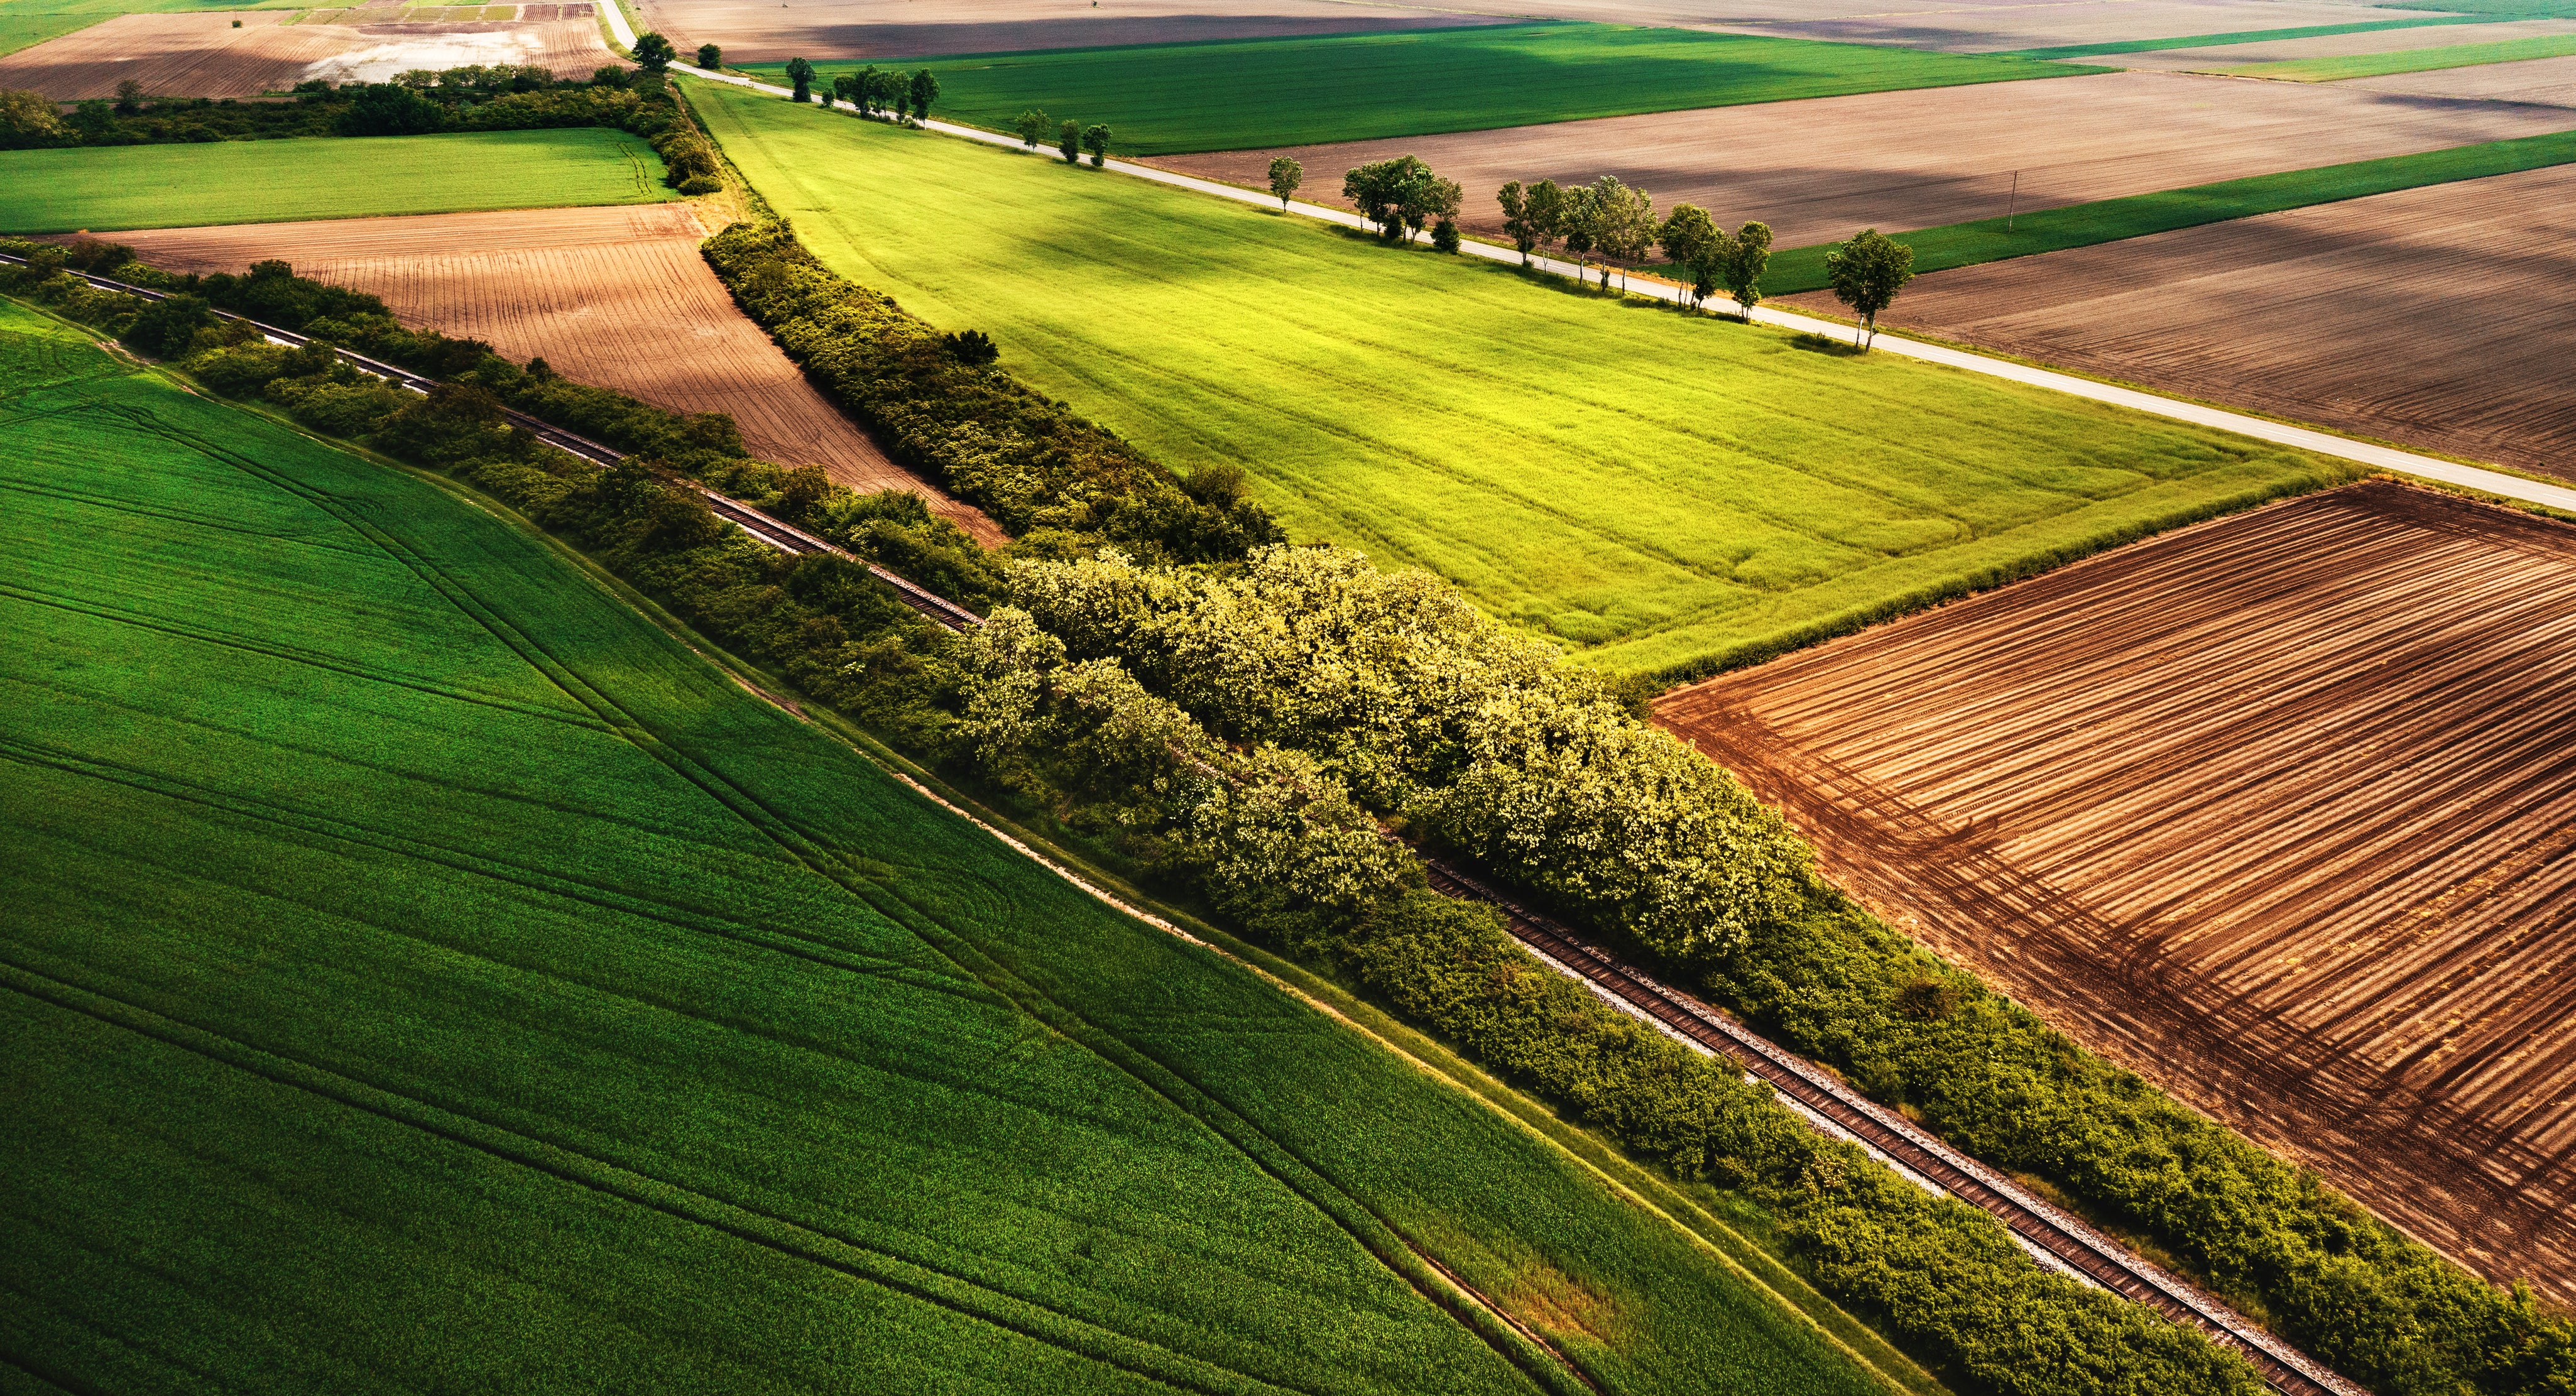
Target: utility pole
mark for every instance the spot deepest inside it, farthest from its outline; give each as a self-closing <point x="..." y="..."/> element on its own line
<point x="2015" y="206"/>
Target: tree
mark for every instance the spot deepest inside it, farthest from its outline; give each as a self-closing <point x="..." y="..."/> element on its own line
<point x="1285" y="176"/>
<point x="382" y="109"/>
<point x="925" y="90"/>
<point x="1866" y="273"/>
<point x="1427" y="199"/>
<point x="653" y="53"/>
<point x="1516" y="221"/>
<point x="1544" y="210"/>
<point x="129" y="97"/>
<point x="868" y="86"/>
<point x="1690" y="241"/>
<point x="610" y="76"/>
<point x="974" y="348"/>
<point x="1096" y="140"/>
<point x="1746" y="254"/>
<point x="1444" y="235"/>
<point x="710" y="57"/>
<point x="1068" y="142"/>
<point x="1624" y="225"/>
<point x="28" y="117"/>
<point x="846" y="87"/>
<point x="799" y="72"/>
<point x="1400" y="196"/>
<point x="1581" y="222"/>
<point x="1033" y="127"/>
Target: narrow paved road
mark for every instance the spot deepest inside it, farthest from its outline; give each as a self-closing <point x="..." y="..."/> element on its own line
<point x="2494" y="482"/>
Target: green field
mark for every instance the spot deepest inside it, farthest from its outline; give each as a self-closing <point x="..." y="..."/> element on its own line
<point x="2113" y="220"/>
<point x="27" y="22"/>
<point x="182" y="186"/>
<point x="418" y="971"/>
<point x="2412" y="60"/>
<point x="2239" y="36"/>
<point x="1662" y="490"/>
<point x="1165" y="98"/>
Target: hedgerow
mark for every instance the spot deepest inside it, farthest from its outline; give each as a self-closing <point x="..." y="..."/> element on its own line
<point x="1056" y="482"/>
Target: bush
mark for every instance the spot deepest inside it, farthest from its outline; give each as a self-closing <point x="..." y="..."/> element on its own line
<point x="165" y="328"/>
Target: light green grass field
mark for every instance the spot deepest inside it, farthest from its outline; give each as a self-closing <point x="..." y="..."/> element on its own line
<point x="1665" y="491"/>
<point x="2112" y="220"/>
<point x="418" y="971"/>
<point x="24" y="23"/>
<point x="2412" y="60"/>
<point x="182" y="186"/>
<point x="1164" y="98"/>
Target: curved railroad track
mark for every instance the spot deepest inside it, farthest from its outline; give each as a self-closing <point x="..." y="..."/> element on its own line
<point x="1834" y="1107"/>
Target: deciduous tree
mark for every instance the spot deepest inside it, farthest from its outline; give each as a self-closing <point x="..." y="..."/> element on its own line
<point x="1691" y="240"/>
<point x="710" y="57"/>
<point x="1625" y="226"/>
<point x="1032" y="127"/>
<point x="869" y="87"/>
<point x="28" y="116"/>
<point x="1544" y="208"/>
<point x="653" y="53"/>
<point x="924" y="90"/>
<point x="1096" y="140"/>
<point x="129" y="97"/>
<point x="1581" y="222"/>
<point x="1068" y="142"/>
<point x="1866" y="273"/>
<point x="1285" y="175"/>
<point x="1516" y="224"/>
<point x="801" y="73"/>
<point x="1746" y="254"/>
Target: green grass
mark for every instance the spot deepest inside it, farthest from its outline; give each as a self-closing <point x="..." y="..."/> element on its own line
<point x="1165" y="98"/>
<point x="2240" y="36"/>
<point x="2112" y="220"/>
<point x="1664" y="491"/>
<point x="24" y="23"/>
<point x="2413" y="60"/>
<point x="177" y="186"/>
<point x="419" y="971"/>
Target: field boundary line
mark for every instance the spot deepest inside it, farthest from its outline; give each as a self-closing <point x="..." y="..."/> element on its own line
<point x="2309" y="439"/>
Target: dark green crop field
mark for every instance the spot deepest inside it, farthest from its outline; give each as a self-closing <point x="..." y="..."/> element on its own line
<point x="1161" y="99"/>
<point x="418" y="971"/>
<point x="2113" y="220"/>
<point x="105" y="188"/>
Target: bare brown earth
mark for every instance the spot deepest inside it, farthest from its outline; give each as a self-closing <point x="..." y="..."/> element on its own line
<point x="757" y="31"/>
<point x="2544" y="81"/>
<point x="1820" y="170"/>
<point x="2339" y="45"/>
<point x="613" y="296"/>
<point x="2430" y="317"/>
<point x="2279" y="811"/>
<point x="203" y="55"/>
<point x="2018" y="24"/>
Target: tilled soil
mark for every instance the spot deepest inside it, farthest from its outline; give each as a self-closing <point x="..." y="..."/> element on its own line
<point x="613" y="296"/>
<point x="765" y="31"/>
<point x="2279" y="811"/>
<point x="202" y="55"/>
<point x="1821" y="170"/>
<point x="2543" y="81"/>
<point x="2431" y="317"/>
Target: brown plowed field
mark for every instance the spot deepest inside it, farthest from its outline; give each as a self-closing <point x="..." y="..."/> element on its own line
<point x="2340" y="45"/>
<point x="751" y="31"/>
<point x="202" y="55"/>
<point x="1821" y="170"/>
<point x="2432" y="317"/>
<point x="2278" y="810"/>
<point x="2546" y="81"/>
<point x="613" y="296"/>
<point x="2004" y="25"/>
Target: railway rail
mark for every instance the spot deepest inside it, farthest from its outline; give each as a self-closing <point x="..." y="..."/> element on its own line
<point x="1816" y="1092"/>
<point x="760" y="526"/>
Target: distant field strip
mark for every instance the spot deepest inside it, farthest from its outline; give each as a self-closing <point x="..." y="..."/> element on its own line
<point x="166" y="186"/>
<point x="2242" y="36"/>
<point x="24" y="23"/>
<point x="1660" y="492"/>
<point x="419" y="970"/>
<point x="2113" y="220"/>
<point x="1169" y="98"/>
<point x="2413" y="60"/>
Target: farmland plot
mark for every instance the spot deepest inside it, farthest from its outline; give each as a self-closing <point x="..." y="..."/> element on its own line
<point x="203" y="55"/>
<point x="1819" y="171"/>
<point x="613" y="296"/>
<point x="2278" y="810"/>
<point x="417" y="969"/>
<point x="2542" y="81"/>
<point x="751" y="31"/>
<point x="1655" y="490"/>
<point x="2424" y="316"/>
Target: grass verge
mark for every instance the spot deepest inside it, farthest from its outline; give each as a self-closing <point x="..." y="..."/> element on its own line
<point x="1660" y="491"/>
<point x="1163" y="99"/>
<point x="2112" y="220"/>
<point x="400" y="926"/>
<point x="283" y="181"/>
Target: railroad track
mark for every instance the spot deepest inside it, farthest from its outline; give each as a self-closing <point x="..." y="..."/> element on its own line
<point x="762" y="528"/>
<point x="1816" y="1092"/>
